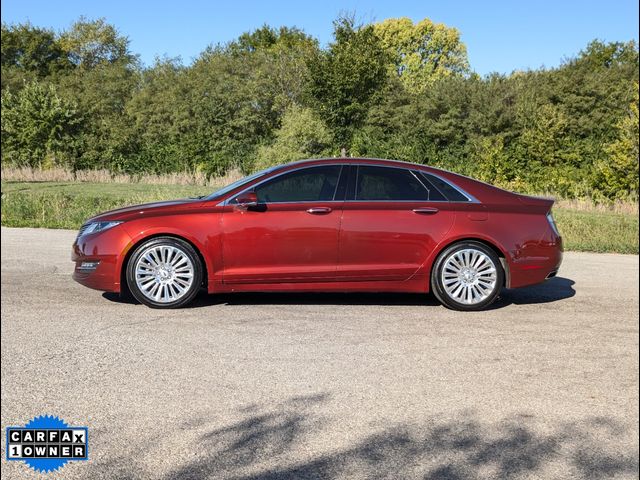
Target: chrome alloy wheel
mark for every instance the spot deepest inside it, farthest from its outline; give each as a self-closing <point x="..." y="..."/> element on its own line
<point x="164" y="273"/>
<point x="469" y="276"/>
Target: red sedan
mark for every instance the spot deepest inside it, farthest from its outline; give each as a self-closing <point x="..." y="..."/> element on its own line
<point x="341" y="224"/>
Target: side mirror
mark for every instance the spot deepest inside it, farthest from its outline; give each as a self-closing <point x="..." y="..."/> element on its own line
<point x="247" y="200"/>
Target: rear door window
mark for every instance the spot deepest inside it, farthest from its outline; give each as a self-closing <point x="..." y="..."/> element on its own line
<point x="445" y="189"/>
<point x="388" y="184"/>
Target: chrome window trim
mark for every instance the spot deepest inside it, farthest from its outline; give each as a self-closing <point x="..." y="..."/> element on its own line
<point x="421" y="179"/>
<point x="471" y="198"/>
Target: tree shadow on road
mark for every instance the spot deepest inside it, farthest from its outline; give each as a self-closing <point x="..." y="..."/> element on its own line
<point x="297" y="439"/>
<point x="274" y="444"/>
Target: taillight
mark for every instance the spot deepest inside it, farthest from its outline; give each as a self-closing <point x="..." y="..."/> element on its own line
<point x="552" y="223"/>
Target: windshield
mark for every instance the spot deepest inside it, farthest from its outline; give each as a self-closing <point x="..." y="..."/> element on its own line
<point x="238" y="183"/>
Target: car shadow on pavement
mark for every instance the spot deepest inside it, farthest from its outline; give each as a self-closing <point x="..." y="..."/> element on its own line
<point x="553" y="290"/>
<point x="281" y="441"/>
<point x="298" y="298"/>
<point x="203" y="299"/>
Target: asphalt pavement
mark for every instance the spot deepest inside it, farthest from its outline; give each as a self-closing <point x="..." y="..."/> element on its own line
<point x="325" y="386"/>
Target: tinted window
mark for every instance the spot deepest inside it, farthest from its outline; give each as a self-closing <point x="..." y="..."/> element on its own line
<point x="447" y="190"/>
<point x="383" y="183"/>
<point x="239" y="183"/>
<point x="305" y="185"/>
<point x="434" y="194"/>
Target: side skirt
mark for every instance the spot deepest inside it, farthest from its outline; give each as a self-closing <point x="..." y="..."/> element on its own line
<point x="416" y="284"/>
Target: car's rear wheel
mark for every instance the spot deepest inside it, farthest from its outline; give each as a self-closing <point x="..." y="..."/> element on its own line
<point x="467" y="276"/>
<point x="164" y="272"/>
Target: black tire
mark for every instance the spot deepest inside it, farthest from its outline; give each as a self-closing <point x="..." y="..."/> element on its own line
<point x="182" y="297"/>
<point x="485" y="297"/>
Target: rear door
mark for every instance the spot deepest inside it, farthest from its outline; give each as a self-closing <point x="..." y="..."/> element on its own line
<point x="391" y="222"/>
<point x="292" y="235"/>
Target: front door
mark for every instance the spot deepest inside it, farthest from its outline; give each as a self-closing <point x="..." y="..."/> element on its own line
<point x="291" y="236"/>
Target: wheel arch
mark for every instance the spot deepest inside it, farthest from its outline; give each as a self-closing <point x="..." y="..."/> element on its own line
<point x="492" y="244"/>
<point x="124" y="286"/>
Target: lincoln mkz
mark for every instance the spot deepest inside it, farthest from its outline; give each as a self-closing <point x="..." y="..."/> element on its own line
<point x="329" y="225"/>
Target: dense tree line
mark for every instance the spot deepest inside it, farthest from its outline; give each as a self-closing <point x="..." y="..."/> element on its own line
<point x="394" y="89"/>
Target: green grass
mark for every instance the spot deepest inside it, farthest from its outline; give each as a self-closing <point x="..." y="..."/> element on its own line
<point x="596" y="231"/>
<point x="68" y="204"/>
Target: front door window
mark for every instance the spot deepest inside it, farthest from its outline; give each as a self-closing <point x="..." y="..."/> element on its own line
<point x="314" y="184"/>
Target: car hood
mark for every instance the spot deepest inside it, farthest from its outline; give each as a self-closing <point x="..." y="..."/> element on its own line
<point x="146" y="209"/>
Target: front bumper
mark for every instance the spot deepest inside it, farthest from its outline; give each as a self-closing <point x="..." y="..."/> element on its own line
<point x="98" y="259"/>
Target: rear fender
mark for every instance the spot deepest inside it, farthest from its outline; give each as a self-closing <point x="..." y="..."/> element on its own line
<point x="491" y="242"/>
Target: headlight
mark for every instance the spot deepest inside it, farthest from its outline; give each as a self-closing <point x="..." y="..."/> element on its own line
<point x="95" y="227"/>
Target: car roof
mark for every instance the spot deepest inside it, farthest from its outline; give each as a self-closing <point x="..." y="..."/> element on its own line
<point x="369" y="161"/>
<point x="349" y="160"/>
<point x="470" y="186"/>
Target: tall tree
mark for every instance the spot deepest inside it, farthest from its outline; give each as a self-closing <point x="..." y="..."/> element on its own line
<point x="618" y="175"/>
<point x="266" y="37"/>
<point x="90" y="43"/>
<point x="302" y="135"/>
<point x="33" y="49"/>
<point x="38" y="127"/>
<point x="422" y="52"/>
<point x="230" y="109"/>
<point x="283" y="56"/>
<point x="393" y="89"/>
<point x="346" y="77"/>
<point x="30" y="53"/>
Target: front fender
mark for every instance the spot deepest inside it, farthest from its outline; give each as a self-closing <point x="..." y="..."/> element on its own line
<point x="200" y="240"/>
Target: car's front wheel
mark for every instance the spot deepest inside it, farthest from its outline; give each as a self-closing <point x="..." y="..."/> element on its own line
<point x="164" y="272"/>
<point x="467" y="276"/>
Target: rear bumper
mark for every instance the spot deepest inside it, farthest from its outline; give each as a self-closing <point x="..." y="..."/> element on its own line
<point x="98" y="258"/>
<point x="540" y="263"/>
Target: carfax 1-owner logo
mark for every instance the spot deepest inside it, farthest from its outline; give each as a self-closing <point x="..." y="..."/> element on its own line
<point x="47" y="443"/>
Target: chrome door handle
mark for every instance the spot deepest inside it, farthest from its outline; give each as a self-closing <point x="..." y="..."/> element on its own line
<point x="318" y="210"/>
<point x="425" y="210"/>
